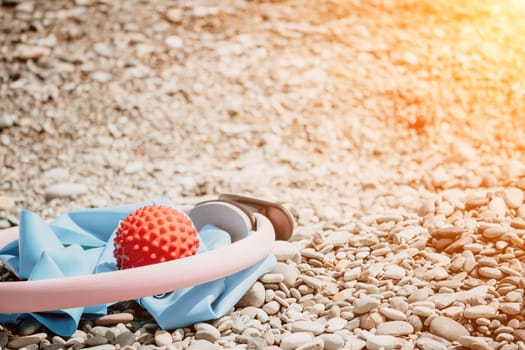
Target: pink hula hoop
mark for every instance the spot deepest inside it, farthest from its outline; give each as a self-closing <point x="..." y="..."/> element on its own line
<point x="55" y="294"/>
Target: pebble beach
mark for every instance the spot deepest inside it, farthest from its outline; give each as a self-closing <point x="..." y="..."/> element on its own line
<point x="392" y="130"/>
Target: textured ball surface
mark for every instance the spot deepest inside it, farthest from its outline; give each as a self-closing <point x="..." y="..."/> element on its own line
<point x="154" y="234"/>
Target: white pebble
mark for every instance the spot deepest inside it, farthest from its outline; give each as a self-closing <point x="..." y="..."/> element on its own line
<point x="365" y="304"/>
<point x="332" y="341"/>
<point x="393" y="314"/>
<point x="284" y="250"/>
<point x="394" y="272"/>
<point x="163" y="338"/>
<point x="207" y="332"/>
<point x="381" y="342"/>
<point x="254" y="297"/>
<point x="291" y="341"/>
<point x="65" y="190"/>
<point x="308" y="326"/>
<point x="335" y="324"/>
<point x="271" y="308"/>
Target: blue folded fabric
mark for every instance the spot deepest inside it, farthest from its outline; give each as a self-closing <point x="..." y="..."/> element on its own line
<point x="81" y="243"/>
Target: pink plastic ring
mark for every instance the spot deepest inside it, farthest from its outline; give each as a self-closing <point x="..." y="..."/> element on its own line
<point x="55" y="294"/>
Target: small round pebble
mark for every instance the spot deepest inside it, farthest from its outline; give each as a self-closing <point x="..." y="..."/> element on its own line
<point x="272" y="307"/>
<point x="28" y="326"/>
<point x="163" y="338"/>
<point x="125" y="338"/>
<point x="96" y="340"/>
<point x="4" y="339"/>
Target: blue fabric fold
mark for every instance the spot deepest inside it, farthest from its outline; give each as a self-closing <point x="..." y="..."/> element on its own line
<point x="81" y="243"/>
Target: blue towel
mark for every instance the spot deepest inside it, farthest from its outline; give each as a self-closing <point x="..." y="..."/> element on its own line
<point x="81" y="243"/>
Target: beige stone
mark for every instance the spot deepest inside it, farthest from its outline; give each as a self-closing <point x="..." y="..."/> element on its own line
<point x="513" y="197"/>
<point x="447" y="328"/>
<point x="395" y="328"/>
<point x="499" y="206"/>
<point x="479" y="311"/>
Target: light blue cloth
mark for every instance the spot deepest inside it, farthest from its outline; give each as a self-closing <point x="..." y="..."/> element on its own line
<point x="81" y="243"/>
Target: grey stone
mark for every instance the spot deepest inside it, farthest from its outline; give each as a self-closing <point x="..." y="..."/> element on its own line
<point x="30" y="347"/>
<point x="97" y="340"/>
<point x="75" y="341"/>
<point x="55" y="346"/>
<point x="28" y="326"/>
<point x="125" y="338"/>
<point x="58" y="340"/>
<point x="4" y="339"/>
<point x="99" y="331"/>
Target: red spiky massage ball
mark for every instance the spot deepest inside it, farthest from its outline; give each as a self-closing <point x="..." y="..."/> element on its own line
<point x="154" y="234"/>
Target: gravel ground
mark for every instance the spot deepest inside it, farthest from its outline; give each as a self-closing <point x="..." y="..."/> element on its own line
<point x="392" y="129"/>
